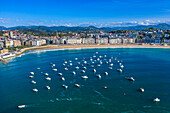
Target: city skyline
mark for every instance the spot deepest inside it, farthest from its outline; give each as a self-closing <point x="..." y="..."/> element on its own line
<point x="110" y="13"/>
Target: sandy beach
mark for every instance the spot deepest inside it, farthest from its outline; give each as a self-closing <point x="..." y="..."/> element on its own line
<point x="86" y="46"/>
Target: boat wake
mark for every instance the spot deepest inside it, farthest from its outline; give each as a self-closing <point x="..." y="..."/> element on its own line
<point x="102" y="96"/>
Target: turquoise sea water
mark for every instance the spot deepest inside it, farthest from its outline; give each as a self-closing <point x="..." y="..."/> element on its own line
<point x="149" y="67"/>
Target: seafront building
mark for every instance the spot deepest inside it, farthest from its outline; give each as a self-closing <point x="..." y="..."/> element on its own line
<point x="14" y="39"/>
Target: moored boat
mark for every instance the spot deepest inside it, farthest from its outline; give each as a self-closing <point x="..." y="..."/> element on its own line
<point x="21" y="106"/>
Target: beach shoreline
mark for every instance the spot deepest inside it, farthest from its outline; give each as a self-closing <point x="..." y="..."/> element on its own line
<point x="83" y="46"/>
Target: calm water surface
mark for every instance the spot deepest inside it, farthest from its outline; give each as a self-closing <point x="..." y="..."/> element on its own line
<point x="149" y="67"/>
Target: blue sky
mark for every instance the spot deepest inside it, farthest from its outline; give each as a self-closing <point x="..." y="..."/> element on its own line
<point x="84" y="12"/>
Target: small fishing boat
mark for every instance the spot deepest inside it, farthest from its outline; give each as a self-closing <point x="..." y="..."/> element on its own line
<point x="32" y="73"/>
<point x="60" y="74"/>
<point x="73" y="72"/>
<point x="38" y="68"/>
<point x="94" y="70"/>
<point x="98" y="65"/>
<point x="121" y="66"/>
<point x="156" y="100"/>
<point x="105" y="55"/>
<point x="101" y="62"/>
<point x="46" y="74"/>
<point x="77" y="67"/>
<point x="84" y="77"/>
<point x="111" y="64"/>
<point x="110" y="60"/>
<point x="98" y="75"/>
<point x="85" y="62"/>
<point x="48" y="78"/>
<point x="31" y="76"/>
<point x="92" y="65"/>
<point x="21" y="106"/>
<point x="64" y="86"/>
<point x="77" y="85"/>
<point x="119" y="70"/>
<point x="71" y="64"/>
<point x="78" y="62"/>
<point x="142" y="90"/>
<point x="106" y="62"/>
<point x="97" y="52"/>
<point x="63" y="79"/>
<point x="48" y="87"/>
<point x="65" y="62"/>
<point x="100" y="56"/>
<point x="35" y="90"/>
<point x="70" y="61"/>
<point x="54" y="69"/>
<point x="92" y="62"/>
<point x="98" y="59"/>
<point x="110" y="67"/>
<point x="83" y="71"/>
<point x="33" y="82"/>
<point x="84" y="68"/>
<point x="131" y="79"/>
<point x="76" y="58"/>
<point x="106" y="73"/>
<point x="66" y="69"/>
<point x="53" y="65"/>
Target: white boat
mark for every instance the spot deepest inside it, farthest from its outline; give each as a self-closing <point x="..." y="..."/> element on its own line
<point x="60" y="74"/>
<point x="54" y="69"/>
<point x="98" y="75"/>
<point x="98" y="59"/>
<point x="94" y="56"/>
<point x="33" y="82"/>
<point x="94" y="70"/>
<point x="121" y="66"/>
<point x="48" y="78"/>
<point x="106" y="62"/>
<point x="21" y="106"/>
<point x="83" y="71"/>
<point x="100" y="56"/>
<point x="101" y="62"/>
<point x="35" y="90"/>
<point x="63" y="79"/>
<point x="77" y="67"/>
<point x="65" y="62"/>
<point x="105" y="55"/>
<point x="156" y="100"/>
<point x="97" y="52"/>
<point x="119" y="70"/>
<point x="142" y="90"/>
<point x="32" y="73"/>
<point x="110" y="60"/>
<point x="38" y="68"/>
<point x="53" y="65"/>
<point x="78" y="62"/>
<point x="66" y="69"/>
<point x="84" y="68"/>
<point x="71" y="64"/>
<point x="64" y="86"/>
<point x="111" y="64"/>
<point x="73" y="72"/>
<point x="70" y="61"/>
<point x="31" y="76"/>
<point x="48" y="87"/>
<point x="110" y="67"/>
<point x="92" y="65"/>
<point x="77" y="85"/>
<point x="46" y="74"/>
<point x="84" y="77"/>
<point x="98" y="65"/>
<point x="131" y="79"/>
<point x="92" y="62"/>
<point x="106" y="73"/>
<point x="76" y="58"/>
<point x="85" y="62"/>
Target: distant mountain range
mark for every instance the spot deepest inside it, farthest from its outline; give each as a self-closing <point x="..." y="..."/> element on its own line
<point x="79" y="28"/>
